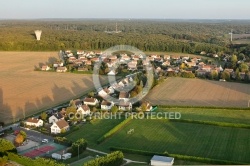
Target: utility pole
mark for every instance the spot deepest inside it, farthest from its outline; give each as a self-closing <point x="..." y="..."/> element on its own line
<point x="78" y="151"/>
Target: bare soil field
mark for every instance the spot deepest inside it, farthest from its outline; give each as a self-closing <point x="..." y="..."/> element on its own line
<point x="198" y="92"/>
<point x="24" y="91"/>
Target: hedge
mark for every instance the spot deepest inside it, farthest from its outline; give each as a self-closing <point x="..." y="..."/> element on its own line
<point x="112" y="159"/>
<point x="114" y="130"/>
<point x="63" y="141"/>
<point x="202" y="107"/>
<point x="179" y="156"/>
<point x="221" y="124"/>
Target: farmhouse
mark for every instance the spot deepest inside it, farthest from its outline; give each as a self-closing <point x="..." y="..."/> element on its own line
<point x="34" y="122"/>
<point x="90" y="101"/>
<point x="59" y="126"/>
<point x="55" y="118"/>
<point x="161" y="161"/>
<point x="105" y="105"/>
<point x="84" y="110"/>
<point x="61" y="69"/>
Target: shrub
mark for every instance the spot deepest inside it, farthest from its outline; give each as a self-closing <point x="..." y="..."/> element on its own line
<point x="63" y="141"/>
<point x="114" y="159"/>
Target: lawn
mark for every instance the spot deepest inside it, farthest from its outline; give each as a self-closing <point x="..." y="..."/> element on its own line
<point x="184" y="138"/>
<point x="94" y="130"/>
<point x="218" y="115"/>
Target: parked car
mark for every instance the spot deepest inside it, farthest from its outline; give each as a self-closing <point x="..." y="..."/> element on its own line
<point x="16" y="132"/>
<point x="45" y="141"/>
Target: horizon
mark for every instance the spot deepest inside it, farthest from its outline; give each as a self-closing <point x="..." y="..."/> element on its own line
<point x="138" y="9"/>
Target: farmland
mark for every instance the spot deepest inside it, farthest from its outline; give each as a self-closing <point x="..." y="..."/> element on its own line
<point x="24" y="91"/>
<point x="198" y="92"/>
<point x="209" y="141"/>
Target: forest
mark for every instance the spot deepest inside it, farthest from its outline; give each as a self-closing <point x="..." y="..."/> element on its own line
<point x="147" y="35"/>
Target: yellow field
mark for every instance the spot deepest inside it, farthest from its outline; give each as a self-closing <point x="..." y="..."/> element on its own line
<point x="24" y="91"/>
<point x="198" y="92"/>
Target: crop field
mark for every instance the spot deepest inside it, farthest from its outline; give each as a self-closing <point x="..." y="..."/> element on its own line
<point x="23" y="91"/>
<point x="184" y="138"/>
<point x="198" y="92"/>
<point x="215" y="115"/>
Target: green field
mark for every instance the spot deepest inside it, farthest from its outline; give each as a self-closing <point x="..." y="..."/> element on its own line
<point x="209" y="141"/>
<point x="184" y="138"/>
<point x="218" y="115"/>
<point x="94" y="130"/>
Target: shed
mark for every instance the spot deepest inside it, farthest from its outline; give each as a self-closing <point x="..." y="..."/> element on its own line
<point x="161" y="161"/>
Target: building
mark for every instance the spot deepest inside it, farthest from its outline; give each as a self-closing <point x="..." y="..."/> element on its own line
<point x="34" y="122"/>
<point x="61" y="69"/>
<point x="125" y="105"/>
<point x="45" y="68"/>
<point x="84" y="110"/>
<point x="161" y="161"/>
<point x="56" y="117"/>
<point x="59" y="126"/>
<point x="124" y="96"/>
<point x="91" y="101"/>
<point x="105" y="105"/>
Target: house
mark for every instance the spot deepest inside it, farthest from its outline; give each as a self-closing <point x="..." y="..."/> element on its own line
<point x="58" y="64"/>
<point x="78" y="103"/>
<point x="166" y="57"/>
<point x="84" y="110"/>
<point x="201" y="72"/>
<point x="206" y="68"/>
<point x="59" y="126"/>
<point x="203" y="53"/>
<point x="161" y="161"/>
<point x="229" y="70"/>
<point x="105" y="105"/>
<point x="123" y="95"/>
<point x="166" y="63"/>
<point x="191" y="64"/>
<point x="112" y="73"/>
<point x="55" y="117"/>
<point x="61" y="69"/>
<point x="175" y="57"/>
<point x="82" y="69"/>
<point x="80" y="52"/>
<point x="90" y="101"/>
<point x="72" y="59"/>
<point x="88" y="63"/>
<point x="124" y="105"/>
<point x="45" y="68"/>
<point x="132" y="65"/>
<point x="34" y="122"/>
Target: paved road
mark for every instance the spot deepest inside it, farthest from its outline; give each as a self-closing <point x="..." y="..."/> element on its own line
<point x="35" y="135"/>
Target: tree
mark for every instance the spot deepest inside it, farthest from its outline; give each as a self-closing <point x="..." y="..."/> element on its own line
<point x="114" y="109"/>
<point x="23" y="134"/>
<point x="214" y="75"/>
<point x="80" y="144"/>
<point x="91" y="94"/>
<point x="44" y="116"/>
<point x="71" y="111"/>
<point x="6" y="145"/>
<point x="182" y="66"/>
<point x="234" y="61"/>
<point x="225" y="75"/>
<point x="19" y="139"/>
<point x="3" y="160"/>
<point x="133" y="94"/>
<point x="244" y="67"/>
<point x="144" y="107"/>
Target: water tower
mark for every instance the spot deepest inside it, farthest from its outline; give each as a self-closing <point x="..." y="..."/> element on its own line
<point x="38" y="34"/>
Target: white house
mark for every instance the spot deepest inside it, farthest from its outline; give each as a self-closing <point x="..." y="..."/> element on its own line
<point x="61" y="69"/>
<point x="90" y="101"/>
<point x="55" y="118"/>
<point x="58" y="126"/>
<point x="84" y="110"/>
<point x="105" y="105"/>
<point x="124" y="105"/>
<point x="161" y="161"/>
<point x="34" y="122"/>
<point x="45" y="68"/>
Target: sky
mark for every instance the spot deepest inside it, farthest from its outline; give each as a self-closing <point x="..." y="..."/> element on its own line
<point x="161" y="9"/>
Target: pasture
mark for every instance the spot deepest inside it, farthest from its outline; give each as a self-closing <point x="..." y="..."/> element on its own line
<point x="24" y="91"/>
<point x="199" y="92"/>
<point x="183" y="138"/>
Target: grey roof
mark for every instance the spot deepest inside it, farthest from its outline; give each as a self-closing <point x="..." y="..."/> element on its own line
<point x="162" y="158"/>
